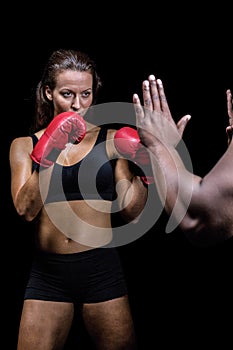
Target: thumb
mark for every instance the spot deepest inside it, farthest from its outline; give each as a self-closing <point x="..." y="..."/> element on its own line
<point x="182" y="123"/>
<point x="229" y="133"/>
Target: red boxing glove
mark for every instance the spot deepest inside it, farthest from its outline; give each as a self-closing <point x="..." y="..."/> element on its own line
<point x="65" y="127"/>
<point x="128" y="144"/>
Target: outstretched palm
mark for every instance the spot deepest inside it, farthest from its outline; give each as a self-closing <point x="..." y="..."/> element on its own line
<point x="154" y="120"/>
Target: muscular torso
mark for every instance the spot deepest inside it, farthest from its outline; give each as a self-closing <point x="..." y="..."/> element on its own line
<point x="72" y="226"/>
<point x="68" y="226"/>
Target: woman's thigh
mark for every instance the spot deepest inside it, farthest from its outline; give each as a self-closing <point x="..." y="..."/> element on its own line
<point x="44" y="325"/>
<point x="110" y="324"/>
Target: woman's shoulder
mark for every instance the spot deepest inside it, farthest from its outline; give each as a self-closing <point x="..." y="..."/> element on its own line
<point x="27" y="139"/>
<point x="111" y="133"/>
<point x="21" y="140"/>
<point x="21" y="143"/>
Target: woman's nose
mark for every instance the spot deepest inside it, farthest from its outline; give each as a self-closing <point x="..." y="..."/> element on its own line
<point x="76" y="103"/>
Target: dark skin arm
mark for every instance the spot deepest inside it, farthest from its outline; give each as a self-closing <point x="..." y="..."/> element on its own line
<point x="202" y="207"/>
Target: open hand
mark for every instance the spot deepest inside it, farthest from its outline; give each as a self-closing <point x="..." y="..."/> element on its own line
<point x="154" y="121"/>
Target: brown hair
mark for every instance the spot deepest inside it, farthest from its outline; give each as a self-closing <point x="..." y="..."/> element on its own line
<point x="59" y="61"/>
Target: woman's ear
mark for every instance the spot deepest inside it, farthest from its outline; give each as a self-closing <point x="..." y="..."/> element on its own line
<point x="48" y="93"/>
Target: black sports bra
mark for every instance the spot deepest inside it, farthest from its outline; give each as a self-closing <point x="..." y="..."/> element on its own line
<point x="91" y="178"/>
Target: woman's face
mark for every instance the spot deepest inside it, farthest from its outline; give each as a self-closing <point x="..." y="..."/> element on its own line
<point x="73" y="92"/>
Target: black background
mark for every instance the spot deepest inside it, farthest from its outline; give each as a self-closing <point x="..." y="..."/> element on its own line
<point x="180" y="295"/>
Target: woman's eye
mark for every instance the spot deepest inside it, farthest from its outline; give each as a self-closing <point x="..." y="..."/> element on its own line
<point x="66" y="94"/>
<point x="86" y="94"/>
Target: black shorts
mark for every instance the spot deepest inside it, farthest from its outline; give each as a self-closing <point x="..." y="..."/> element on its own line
<point x="87" y="277"/>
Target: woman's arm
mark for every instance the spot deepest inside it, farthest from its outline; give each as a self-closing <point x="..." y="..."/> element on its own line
<point x="25" y="188"/>
<point x="131" y="188"/>
<point x="131" y="191"/>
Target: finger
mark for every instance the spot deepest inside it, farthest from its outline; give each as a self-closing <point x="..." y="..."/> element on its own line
<point x="138" y="109"/>
<point x="154" y="93"/>
<point x="229" y="134"/>
<point x="147" y="96"/>
<point x="163" y="99"/>
<point x="230" y="107"/>
<point x="182" y="123"/>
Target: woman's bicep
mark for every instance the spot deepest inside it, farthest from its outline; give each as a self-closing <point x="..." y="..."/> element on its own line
<point x="20" y="164"/>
